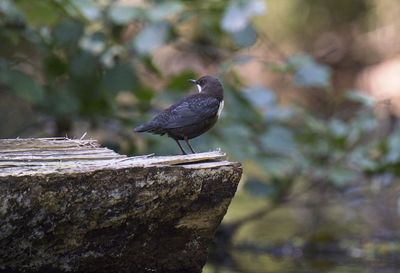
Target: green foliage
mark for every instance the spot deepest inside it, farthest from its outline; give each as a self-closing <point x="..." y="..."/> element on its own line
<point x="67" y="33"/>
<point x="151" y="37"/>
<point x="308" y="73"/>
<point x="302" y="147"/>
<point x="259" y="188"/>
<point x="39" y="13"/>
<point x="122" y="15"/>
<point x="74" y="60"/>
<point x="22" y="85"/>
<point x="180" y="82"/>
<point x="238" y="14"/>
<point x="119" y="78"/>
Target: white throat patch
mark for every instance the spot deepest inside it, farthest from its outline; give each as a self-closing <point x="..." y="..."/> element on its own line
<point x="221" y="106"/>
<point x="198" y="87"/>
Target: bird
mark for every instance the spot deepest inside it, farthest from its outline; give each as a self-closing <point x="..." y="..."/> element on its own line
<point x="190" y="117"/>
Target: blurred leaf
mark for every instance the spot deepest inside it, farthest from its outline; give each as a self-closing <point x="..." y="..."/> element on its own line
<point x="83" y="65"/>
<point x="111" y="55"/>
<point x="393" y="148"/>
<point x="361" y="98"/>
<point x="279" y="140"/>
<point x="258" y="188"/>
<point x="233" y="133"/>
<point x="94" y="43"/>
<point x="89" y="8"/>
<point x="123" y="14"/>
<point x="181" y="82"/>
<point x="43" y="12"/>
<point x="260" y="97"/>
<point x="164" y="9"/>
<point x="22" y="85"/>
<point x="338" y="128"/>
<point x="143" y="93"/>
<point x="308" y="73"/>
<point x="55" y="66"/>
<point x="10" y="10"/>
<point x="239" y="108"/>
<point x="238" y="14"/>
<point x="315" y="125"/>
<point x="278" y="113"/>
<point x="277" y="166"/>
<point x="365" y="122"/>
<point x="119" y="78"/>
<point x="341" y="176"/>
<point x="245" y="37"/>
<point x="151" y="37"/>
<point x="148" y="62"/>
<point x="60" y="101"/>
<point x="67" y="33"/>
<point x="359" y="157"/>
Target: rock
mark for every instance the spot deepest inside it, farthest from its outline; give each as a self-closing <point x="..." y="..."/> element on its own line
<point x="72" y="206"/>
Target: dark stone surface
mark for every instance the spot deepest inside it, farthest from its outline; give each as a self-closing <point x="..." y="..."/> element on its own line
<point x="131" y="219"/>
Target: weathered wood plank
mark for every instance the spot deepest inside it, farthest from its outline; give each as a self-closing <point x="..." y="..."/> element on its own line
<point x="40" y="143"/>
<point x="60" y="154"/>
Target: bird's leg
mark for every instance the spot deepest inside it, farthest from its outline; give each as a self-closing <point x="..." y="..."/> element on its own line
<point x="188" y="144"/>
<point x="183" y="151"/>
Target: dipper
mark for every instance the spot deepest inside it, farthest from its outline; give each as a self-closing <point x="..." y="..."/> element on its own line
<point x="192" y="116"/>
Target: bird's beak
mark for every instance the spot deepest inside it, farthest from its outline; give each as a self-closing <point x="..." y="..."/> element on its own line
<point x="193" y="81"/>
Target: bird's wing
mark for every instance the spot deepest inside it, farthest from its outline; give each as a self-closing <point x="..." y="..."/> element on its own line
<point x="191" y="110"/>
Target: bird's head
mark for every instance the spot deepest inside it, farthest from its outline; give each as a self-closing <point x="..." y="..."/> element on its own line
<point x="209" y="85"/>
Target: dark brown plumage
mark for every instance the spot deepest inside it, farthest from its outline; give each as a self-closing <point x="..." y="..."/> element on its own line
<point x="192" y="116"/>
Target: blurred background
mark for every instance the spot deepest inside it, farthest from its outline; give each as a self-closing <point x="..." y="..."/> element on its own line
<point x="312" y="98"/>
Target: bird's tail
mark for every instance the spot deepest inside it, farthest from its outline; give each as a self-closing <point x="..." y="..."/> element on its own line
<point x="144" y="128"/>
<point x="150" y="127"/>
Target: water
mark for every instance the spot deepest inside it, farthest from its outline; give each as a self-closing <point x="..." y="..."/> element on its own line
<point x="246" y="263"/>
